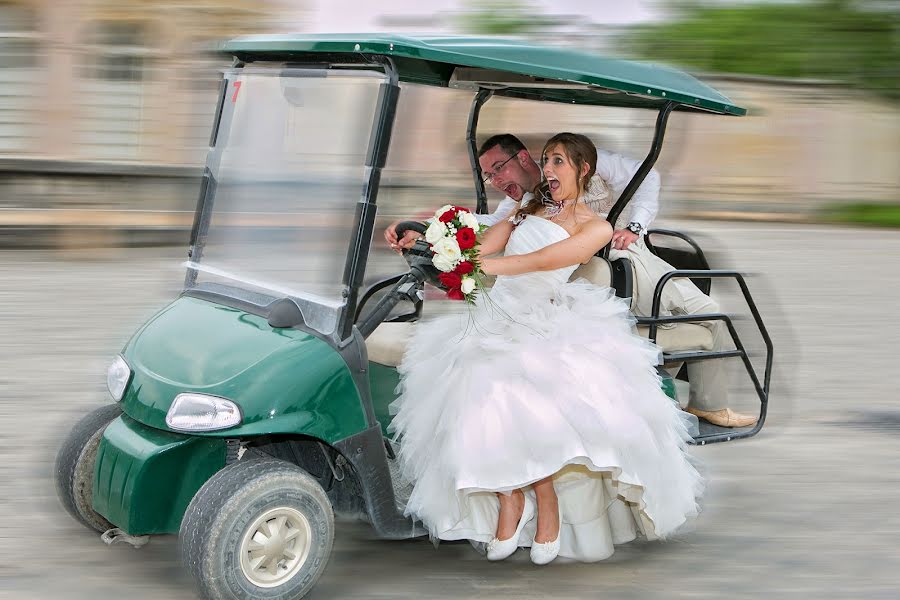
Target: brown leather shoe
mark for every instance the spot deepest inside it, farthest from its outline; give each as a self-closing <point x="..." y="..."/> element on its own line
<point x="724" y="418"/>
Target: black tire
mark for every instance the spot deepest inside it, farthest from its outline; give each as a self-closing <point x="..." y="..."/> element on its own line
<point x="222" y="514"/>
<point x="75" y="466"/>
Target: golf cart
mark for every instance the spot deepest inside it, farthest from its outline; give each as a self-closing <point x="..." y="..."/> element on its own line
<point x="255" y="405"/>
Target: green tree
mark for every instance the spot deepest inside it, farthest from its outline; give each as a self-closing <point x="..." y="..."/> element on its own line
<point x="497" y="17"/>
<point x="858" y="42"/>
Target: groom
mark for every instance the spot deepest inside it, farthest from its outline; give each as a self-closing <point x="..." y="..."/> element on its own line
<point x="508" y="166"/>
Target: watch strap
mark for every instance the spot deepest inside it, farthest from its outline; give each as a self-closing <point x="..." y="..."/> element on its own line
<point x="635" y="228"/>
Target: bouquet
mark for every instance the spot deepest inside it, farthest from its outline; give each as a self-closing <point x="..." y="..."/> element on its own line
<point x="452" y="236"/>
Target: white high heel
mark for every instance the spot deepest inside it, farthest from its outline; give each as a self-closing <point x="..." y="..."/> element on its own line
<point x="543" y="553"/>
<point x="500" y="549"/>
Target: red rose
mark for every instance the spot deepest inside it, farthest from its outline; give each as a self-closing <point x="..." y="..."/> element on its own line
<point x="464" y="268"/>
<point x="448" y="216"/>
<point x="456" y="294"/>
<point x="461" y="209"/>
<point x="465" y="237"/>
<point x="450" y="280"/>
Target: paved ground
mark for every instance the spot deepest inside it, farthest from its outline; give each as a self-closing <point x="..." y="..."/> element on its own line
<point x="805" y="509"/>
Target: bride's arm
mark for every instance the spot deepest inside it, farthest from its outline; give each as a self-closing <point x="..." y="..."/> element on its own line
<point x="577" y="249"/>
<point x="494" y="239"/>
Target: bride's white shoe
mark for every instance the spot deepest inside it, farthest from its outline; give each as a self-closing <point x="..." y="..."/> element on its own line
<point x="500" y="549"/>
<point x="543" y="553"/>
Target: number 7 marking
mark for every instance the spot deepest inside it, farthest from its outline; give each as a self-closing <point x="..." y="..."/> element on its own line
<point x="237" y="88"/>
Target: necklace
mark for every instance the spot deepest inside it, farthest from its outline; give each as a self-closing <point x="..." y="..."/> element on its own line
<point x="552" y="208"/>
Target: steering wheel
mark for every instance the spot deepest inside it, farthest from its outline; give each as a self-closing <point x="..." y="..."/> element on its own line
<point x="420" y="255"/>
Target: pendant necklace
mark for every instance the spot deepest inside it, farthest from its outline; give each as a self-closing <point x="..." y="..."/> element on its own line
<point x="552" y="208"/>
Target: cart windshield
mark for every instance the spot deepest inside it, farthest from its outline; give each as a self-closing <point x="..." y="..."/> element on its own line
<point x="284" y="175"/>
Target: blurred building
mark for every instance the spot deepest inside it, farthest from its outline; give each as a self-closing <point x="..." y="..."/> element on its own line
<point x="106" y="108"/>
<point x="804" y="145"/>
<point x="122" y="80"/>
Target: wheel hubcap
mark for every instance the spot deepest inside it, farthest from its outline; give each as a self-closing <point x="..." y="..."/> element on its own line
<point x="275" y="546"/>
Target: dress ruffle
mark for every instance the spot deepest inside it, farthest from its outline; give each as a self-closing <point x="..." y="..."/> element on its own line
<point x="494" y="402"/>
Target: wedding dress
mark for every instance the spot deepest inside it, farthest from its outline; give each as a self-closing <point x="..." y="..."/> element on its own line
<point x="542" y="377"/>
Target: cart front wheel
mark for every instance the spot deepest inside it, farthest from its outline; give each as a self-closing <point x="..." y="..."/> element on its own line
<point x="259" y="529"/>
<point x="74" y="470"/>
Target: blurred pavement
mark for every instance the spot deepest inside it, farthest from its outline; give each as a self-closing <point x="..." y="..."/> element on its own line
<point x="804" y="510"/>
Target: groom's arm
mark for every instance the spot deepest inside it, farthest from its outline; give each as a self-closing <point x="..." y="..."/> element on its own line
<point x="506" y="206"/>
<point x="504" y="209"/>
<point x="617" y="171"/>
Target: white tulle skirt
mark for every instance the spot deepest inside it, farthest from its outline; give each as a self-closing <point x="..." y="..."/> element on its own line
<point x="518" y="389"/>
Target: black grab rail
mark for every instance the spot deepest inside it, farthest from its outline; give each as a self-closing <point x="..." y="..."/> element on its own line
<point x="681" y="236"/>
<point x="762" y="389"/>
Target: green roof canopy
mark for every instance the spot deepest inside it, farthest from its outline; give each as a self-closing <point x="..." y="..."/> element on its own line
<point x="512" y="68"/>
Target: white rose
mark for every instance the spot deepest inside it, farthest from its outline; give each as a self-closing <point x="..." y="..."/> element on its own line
<point x="468" y="284"/>
<point x="442" y="210"/>
<point x="448" y="248"/>
<point x="435" y="232"/>
<point x="443" y="263"/>
<point x="469" y="220"/>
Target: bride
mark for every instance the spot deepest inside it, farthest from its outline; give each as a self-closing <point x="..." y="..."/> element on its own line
<point x="543" y="424"/>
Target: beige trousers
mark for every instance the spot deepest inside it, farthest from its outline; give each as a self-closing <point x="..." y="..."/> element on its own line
<point x="709" y="380"/>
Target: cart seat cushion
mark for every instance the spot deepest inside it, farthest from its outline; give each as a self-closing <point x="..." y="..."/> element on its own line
<point x="682" y="337"/>
<point x="599" y="271"/>
<point x="388" y="342"/>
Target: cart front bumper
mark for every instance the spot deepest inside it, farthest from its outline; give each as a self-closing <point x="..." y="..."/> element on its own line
<point x="144" y="478"/>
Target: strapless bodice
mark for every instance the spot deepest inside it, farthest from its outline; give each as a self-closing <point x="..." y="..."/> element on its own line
<point x="531" y="235"/>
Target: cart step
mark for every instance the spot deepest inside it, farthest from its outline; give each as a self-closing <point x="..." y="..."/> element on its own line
<point x="710" y="434"/>
<point x="116" y="535"/>
<point x="677" y="357"/>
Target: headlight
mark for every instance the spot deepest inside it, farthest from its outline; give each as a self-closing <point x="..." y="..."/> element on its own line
<point x="199" y="412"/>
<point x="117" y="376"/>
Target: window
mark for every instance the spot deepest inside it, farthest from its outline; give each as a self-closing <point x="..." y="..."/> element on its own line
<point x="20" y="76"/>
<point x="118" y="64"/>
<point x="120" y="51"/>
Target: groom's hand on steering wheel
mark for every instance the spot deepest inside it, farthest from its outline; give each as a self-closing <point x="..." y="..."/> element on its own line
<point x="418" y="253"/>
<point x="404" y="242"/>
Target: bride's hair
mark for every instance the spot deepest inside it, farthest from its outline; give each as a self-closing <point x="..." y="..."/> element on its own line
<point x="581" y="151"/>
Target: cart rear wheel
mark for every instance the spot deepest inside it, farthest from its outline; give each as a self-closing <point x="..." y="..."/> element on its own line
<point x="260" y="529"/>
<point x="75" y="466"/>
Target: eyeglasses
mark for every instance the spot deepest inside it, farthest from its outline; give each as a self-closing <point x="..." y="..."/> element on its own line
<point x="488" y="177"/>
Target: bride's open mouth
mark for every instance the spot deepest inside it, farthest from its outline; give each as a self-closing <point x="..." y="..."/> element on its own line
<point x="553" y="184"/>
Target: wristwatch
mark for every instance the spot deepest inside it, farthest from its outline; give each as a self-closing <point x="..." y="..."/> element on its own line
<point x="635" y="228"/>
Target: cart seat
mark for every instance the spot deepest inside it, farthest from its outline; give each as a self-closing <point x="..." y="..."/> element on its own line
<point x="682" y="337"/>
<point x="599" y="271"/>
<point x="388" y="342"/>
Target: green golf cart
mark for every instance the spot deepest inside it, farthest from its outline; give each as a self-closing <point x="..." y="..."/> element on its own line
<point x="255" y="405"/>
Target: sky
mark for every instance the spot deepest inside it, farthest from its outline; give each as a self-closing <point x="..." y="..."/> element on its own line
<point x="365" y="16"/>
